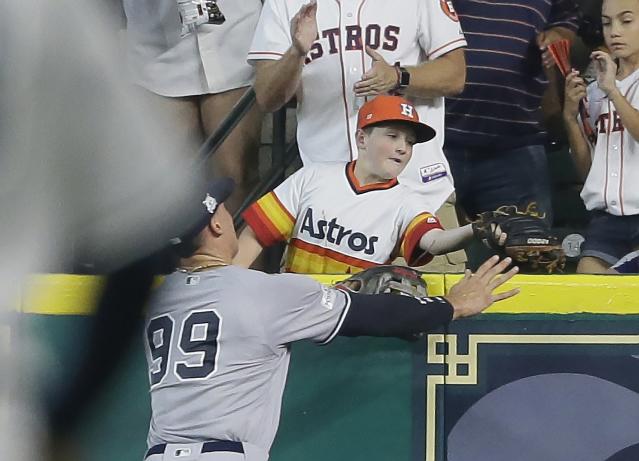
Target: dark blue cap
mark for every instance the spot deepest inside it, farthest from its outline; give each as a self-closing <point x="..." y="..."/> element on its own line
<point x="216" y="192"/>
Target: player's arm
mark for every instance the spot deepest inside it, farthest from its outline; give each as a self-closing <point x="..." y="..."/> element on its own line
<point x="402" y="316"/>
<point x="575" y="91"/>
<point x="249" y="248"/>
<point x="276" y="82"/>
<point x="443" y="76"/>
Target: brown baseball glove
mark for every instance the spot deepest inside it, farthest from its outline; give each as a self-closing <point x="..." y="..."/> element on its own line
<point x="529" y="241"/>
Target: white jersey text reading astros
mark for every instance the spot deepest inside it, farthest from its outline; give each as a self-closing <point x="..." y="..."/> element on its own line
<point x="334" y="225"/>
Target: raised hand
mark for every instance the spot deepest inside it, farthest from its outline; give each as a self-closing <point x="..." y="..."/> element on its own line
<point x="544" y="39"/>
<point x="606" y="71"/>
<point x="380" y="78"/>
<point x="475" y="292"/>
<point x="575" y="91"/>
<point x="304" y="28"/>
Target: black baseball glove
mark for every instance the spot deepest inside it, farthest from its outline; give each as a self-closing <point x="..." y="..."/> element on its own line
<point x="529" y="241"/>
<point x="387" y="279"/>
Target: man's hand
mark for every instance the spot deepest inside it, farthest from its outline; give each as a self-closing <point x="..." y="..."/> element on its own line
<point x="304" y="28"/>
<point x="606" y="71"/>
<point x="474" y="292"/>
<point x="575" y="91"/>
<point x="380" y="78"/>
<point x="546" y="37"/>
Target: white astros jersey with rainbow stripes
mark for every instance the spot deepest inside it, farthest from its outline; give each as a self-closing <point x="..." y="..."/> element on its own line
<point x="334" y="225"/>
<point x="611" y="184"/>
<point x="409" y="32"/>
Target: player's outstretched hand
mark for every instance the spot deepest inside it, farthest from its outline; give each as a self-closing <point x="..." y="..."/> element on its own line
<point x="475" y="292"/>
<point x="304" y="27"/>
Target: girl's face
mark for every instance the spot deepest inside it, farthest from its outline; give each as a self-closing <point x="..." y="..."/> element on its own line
<point x="620" y="21"/>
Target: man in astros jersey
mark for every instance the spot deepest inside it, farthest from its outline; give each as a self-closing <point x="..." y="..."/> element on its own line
<point x="609" y="158"/>
<point x="335" y="55"/>
<point x="343" y="217"/>
<point x="217" y="338"/>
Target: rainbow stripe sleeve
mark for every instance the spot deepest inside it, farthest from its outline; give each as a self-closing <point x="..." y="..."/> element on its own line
<point x="270" y="220"/>
<point x="409" y="248"/>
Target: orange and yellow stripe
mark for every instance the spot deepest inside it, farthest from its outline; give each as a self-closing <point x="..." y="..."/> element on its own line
<point x="409" y="249"/>
<point x="270" y="220"/>
<point x="305" y="258"/>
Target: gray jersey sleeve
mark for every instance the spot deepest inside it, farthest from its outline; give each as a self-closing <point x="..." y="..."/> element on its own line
<point x="301" y="308"/>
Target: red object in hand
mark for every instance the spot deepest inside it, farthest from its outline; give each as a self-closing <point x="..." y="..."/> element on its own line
<point x="560" y="52"/>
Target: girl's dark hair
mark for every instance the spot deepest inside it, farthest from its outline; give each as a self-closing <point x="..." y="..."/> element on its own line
<point x="590" y="29"/>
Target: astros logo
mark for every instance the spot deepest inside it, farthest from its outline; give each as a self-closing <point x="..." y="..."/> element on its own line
<point x="407" y="110"/>
<point x="449" y="9"/>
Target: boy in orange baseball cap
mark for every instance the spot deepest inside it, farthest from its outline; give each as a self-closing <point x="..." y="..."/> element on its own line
<point x="346" y="217"/>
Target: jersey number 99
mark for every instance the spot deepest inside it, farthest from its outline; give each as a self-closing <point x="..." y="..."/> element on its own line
<point x="198" y="338"/>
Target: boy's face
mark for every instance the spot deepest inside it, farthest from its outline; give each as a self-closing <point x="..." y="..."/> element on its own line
<point x="386" y="148"/>
<point x="620" y="20"/>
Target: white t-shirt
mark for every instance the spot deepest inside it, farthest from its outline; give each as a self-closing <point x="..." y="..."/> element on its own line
<point x="211" y="60"/>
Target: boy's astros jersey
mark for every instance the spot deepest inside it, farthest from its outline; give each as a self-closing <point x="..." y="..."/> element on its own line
<point x="334" y="225"/>
<point x="611" y="184"/>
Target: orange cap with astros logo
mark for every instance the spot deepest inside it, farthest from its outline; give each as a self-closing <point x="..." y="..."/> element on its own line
<point x="385" y="108"/>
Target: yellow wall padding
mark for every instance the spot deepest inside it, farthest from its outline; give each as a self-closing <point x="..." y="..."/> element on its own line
<point x="61" y="294"/>
<point x="567" y="294"/>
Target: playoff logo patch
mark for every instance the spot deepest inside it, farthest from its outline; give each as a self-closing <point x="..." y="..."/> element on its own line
<point x="431" y="172"/>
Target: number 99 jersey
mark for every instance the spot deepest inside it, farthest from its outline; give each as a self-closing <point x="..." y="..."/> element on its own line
<point x="217" y="349"/>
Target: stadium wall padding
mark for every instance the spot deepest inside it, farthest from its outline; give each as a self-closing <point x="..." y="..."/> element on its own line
<point x="386" y="399"/>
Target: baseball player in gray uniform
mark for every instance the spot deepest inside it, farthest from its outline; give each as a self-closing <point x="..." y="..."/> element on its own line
<point x="217" y="337"/>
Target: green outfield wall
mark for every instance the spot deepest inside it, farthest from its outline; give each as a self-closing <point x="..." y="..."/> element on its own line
<point x="552" y="374"/>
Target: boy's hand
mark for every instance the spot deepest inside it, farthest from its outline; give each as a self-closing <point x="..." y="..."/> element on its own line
<point x="606" y="71"/>
<point x="575" y="91"/>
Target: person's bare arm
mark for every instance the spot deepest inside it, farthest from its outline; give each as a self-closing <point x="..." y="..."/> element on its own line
<point x="248" y="248"/>
<point x="277" y="81"/>
<point x="442" y="241"/>
<point x="444" y="76"/>
<point x="575" y="91"/>
<point x="548" y="36"/>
